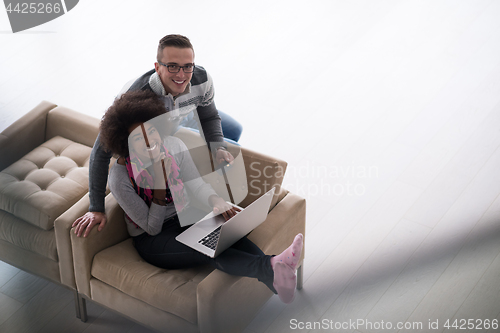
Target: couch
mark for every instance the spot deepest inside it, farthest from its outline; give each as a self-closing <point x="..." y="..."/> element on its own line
<point x="43" y="172"/>
<point x="44" y="189"/>
<point x="109" y="271"/>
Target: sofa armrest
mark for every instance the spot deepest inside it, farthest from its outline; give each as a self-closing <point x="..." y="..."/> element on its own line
<point x="85" y="248"/>
<point x="62" y="227"/>
<point x="263" y="173"/>
<point x="24" y="135"/>
<point x="219" y="295"/>
<point x="72" y="125"/>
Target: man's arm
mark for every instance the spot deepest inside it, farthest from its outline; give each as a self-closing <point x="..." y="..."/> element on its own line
<point x="209" y="120"/>
<point x="207" y="115"/>
<point x="211" y="124"/>
<point x="98" y="177"/>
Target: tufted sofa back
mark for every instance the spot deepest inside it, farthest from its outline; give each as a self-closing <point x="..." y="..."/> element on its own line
<point x="53" y="175"/>
<point x="61" y="122"/>
<point x="45" y="182"/>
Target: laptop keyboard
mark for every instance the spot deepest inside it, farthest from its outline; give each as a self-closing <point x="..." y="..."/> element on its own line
<point x="211" y="239"/>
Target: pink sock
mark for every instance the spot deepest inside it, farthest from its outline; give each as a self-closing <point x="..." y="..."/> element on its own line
<point x="285" y="282"/>
<point x="292" y="254"/>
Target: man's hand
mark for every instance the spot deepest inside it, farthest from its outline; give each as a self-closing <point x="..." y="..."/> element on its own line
<point x="220" y="205"/>
<point x="223" y="156"/>
<point x="88" y="221"/>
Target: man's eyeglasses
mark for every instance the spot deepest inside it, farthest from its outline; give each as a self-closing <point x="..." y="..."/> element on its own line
<point x="172" y="68"/>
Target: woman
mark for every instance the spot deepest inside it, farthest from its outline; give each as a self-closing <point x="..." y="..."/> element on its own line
<point x="149" y="181"/>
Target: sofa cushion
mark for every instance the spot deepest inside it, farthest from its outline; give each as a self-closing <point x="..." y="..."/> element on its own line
<point x="28" y="237"/>
<point x="45" y="182"/>
<point x="173" y="291"/>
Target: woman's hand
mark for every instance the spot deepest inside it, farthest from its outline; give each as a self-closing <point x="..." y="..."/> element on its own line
<point x="221" y="206"/>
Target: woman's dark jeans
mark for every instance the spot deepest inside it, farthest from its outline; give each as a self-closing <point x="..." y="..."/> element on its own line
<point x="243" y="258"/>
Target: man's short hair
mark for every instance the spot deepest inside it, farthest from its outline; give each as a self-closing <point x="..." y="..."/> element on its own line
<point x="175" y="41"/>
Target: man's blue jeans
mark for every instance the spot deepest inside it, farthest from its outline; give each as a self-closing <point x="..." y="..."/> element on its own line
<point x="231" y="129"/>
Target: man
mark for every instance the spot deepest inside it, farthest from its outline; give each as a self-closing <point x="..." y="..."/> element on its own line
<point x="183" y="86"/>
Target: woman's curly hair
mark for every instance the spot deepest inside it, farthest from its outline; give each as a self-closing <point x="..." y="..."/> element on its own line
<point x="129" y="109"/>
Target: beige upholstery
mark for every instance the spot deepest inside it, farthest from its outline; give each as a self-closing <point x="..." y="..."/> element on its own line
<point x="43" y="173"/>
<point x="24" y="135"/>
<point x="109" y="271"/>
<point x="45" y="182"/>
<point x="43" y="190"/>
<point x="172" y="291"/>
<point x="25" y="236"/>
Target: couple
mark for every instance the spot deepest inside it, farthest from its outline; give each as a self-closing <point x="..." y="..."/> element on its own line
<point x="145" y="195"/>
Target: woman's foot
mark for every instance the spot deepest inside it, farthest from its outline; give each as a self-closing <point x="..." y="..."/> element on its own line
<point x="285" y="282"/>
<point x="291" y="255"/>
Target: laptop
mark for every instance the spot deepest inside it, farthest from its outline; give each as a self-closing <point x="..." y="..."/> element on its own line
<point x="212" y="235"/>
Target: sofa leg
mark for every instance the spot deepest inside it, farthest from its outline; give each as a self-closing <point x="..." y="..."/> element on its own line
<point x="300" y="276"/>
<point x="83" y="308"/>
<point x="77" y="304"/>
